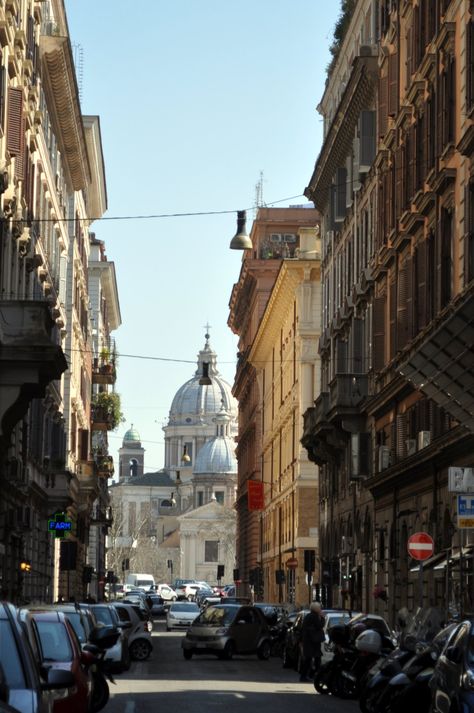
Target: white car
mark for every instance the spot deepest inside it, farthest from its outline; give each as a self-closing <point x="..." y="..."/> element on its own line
<point x="189" y="591"/>
<point x="166" y="593"/>
<point x="181" y="615"/>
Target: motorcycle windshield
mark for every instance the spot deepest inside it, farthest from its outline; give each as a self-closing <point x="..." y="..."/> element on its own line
<point x="422" y="627"/>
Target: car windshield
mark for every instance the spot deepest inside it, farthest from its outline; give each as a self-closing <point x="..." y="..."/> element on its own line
<point x="217" y="616"/>
<point x="184" y="606"/>
<point x="54" y="640"/>
<point x="78" y="624"/>
<point x="104" y="616"/>
<point x="9" y="657"/>
<point x="336" y="619"/>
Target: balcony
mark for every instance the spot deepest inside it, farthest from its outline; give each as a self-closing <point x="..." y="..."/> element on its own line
<point x="88" y="481"/>
<point x="104" y="373"/>
<point x="346" y="391"/>
<point x="29" y="360"/>
<point x="104" y="466"/>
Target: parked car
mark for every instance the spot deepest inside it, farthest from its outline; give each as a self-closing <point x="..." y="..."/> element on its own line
<point x="56" y="647"/>
<point x="81" y="618"/>
<point x="179" y="583"/>
<point x="135" y="626"/>
<point x="166" y="592"/>
<point x="205" y="596"/>
<point x="332" y="618"/>
<point x="24" y="688"/>
<point x="452" y="684"/>
<point x="181" y="614"/>
<point x="117" y="658"/>
<point x="228" y="629"/>
<point x="157" y="604"/>
<point x="189" y="591"/>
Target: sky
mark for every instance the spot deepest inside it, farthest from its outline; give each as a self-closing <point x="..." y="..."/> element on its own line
<point x="197" y="101"/>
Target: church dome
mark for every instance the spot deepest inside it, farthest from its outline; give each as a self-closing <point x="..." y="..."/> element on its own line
<point x="195" y="402"/>
<point x="131" y="436"/>
<point x="216" y="456"/>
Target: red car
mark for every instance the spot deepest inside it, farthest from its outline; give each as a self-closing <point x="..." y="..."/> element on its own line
<point x="56" y="646"/>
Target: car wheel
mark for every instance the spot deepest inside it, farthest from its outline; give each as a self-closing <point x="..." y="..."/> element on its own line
<point x="187" y="654"/>
<point x="264" y="650"/>
<point x="228" y="651"/>
<point x="140" y="650"/>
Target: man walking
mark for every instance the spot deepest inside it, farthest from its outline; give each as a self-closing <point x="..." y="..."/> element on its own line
<point x="312" y="636"/>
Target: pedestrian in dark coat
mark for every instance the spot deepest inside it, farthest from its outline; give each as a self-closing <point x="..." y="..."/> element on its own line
<point x="312" y="636"/>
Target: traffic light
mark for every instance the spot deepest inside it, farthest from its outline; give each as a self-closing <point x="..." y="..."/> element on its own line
<point x="280" y="576"/>
<point x="87" y="574"/>
<point x="25" y="566"/>
<point x="309" y="560"/>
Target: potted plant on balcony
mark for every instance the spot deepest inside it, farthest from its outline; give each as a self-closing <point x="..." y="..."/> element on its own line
<point x="106" y="364"/>
<point x="107" y="408"/>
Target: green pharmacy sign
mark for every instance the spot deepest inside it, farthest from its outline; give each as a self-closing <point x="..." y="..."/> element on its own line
<point x="61" y="525"/>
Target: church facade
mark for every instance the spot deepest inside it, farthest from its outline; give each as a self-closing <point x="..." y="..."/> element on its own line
<point x="180" y="520"/>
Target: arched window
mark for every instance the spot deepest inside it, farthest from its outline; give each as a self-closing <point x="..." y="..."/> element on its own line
<point x="133" y="467"/>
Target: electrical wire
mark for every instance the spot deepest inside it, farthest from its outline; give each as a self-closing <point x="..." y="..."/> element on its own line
<point x="152" y="216"/>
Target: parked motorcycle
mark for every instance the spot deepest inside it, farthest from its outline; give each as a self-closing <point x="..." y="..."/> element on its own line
<point x="401" y="682"/>
<point x="101" y="640"/>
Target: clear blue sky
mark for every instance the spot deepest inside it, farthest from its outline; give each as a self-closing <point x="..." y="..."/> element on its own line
<point x="195" y="99"/>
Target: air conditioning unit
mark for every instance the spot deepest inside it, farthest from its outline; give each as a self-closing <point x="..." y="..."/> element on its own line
<point x="410" y="445"/>
<point x="384" y="457"/>
<point x="424" y="439"/>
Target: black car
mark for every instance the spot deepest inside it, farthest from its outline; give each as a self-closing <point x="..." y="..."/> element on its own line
<point x="24" y="686"/>
<point x="452" y="684"/>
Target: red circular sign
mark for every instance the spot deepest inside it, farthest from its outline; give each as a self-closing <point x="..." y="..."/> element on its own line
<point x="420" y="546"/>
<point x="292" y="563"/>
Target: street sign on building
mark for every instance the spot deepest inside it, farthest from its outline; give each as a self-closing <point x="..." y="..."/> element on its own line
<point x="420" y="546"/>
<point x="461" y="480"/>
<point x="465" y="511"/>
<point x="256" y="499"/>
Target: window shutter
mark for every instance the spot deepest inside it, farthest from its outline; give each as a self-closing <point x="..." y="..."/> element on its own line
<point x="84" y="444"/>
<point x="402" y="308"/>
<point x="378" y="333"/>
<point x="409" y="298"/>
<point x="393" y="91"/>
<point x="367" y="138"/>
<point x="399" y="176"/>
<point x="393" y="314"/>
<point x="470" y="65"/>
<point x="383" y="104"/>
<point x="401" y="423"/>
<point x="14" y="120"/>
<point x="340" y="188"/>
<point x="409" y="60"/>
<point x="451" y="99"/>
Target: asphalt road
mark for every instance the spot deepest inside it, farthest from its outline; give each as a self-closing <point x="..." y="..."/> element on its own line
<point x="166" y="683"/>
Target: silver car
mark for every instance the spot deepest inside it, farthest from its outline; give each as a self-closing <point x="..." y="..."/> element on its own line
<point x="228" y="629"/>
<point x="181" y="614"/>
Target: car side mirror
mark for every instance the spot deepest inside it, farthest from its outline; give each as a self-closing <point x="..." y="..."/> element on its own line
<point x="454" y="654"/>
<point x="58" y="678"/>
<point x="105" y="637"/>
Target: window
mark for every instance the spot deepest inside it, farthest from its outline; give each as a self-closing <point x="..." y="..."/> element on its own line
<point x="220" y="496"/>
<point x="211" y="550"/>
<point x="200" y="498"/>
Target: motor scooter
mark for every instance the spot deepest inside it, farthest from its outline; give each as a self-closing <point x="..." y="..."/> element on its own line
<point x="100" y="640"/>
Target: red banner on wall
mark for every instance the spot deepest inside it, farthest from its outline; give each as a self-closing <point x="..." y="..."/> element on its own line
<point x="256" y="500"/>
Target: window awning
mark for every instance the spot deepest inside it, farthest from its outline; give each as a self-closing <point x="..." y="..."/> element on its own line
<point x="440" y="361"/>
<point x="440" y="561"/>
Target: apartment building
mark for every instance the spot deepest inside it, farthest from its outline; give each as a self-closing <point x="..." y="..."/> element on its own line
<point x="396" y="350"/>
<point x="274" y="308"/>
<point x="53" y="185"/>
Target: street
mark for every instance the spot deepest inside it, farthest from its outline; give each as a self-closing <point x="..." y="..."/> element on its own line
<point x="166" y="682"/>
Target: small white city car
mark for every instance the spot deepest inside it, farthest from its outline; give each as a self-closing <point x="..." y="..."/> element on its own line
<point x="181" y="614"/>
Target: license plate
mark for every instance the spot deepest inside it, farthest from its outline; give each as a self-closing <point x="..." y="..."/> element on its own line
<point x="201" y="646"/>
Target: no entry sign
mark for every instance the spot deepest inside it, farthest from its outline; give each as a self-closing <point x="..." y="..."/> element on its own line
<point x="420" y="546"/>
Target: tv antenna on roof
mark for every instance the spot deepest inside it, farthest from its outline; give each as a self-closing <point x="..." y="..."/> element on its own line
<point x="259" y="202"/>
